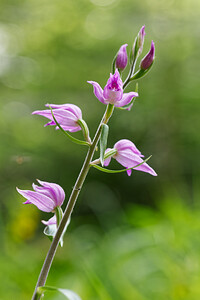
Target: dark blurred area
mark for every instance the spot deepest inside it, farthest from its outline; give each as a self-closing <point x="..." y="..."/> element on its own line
<point x="130" y="237"/>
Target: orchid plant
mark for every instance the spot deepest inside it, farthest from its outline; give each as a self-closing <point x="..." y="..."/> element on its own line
<point x="49" y="197"/>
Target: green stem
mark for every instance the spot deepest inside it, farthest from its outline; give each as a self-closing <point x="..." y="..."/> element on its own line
<point x="72" y="201"/>
<point x="127" y="81"/>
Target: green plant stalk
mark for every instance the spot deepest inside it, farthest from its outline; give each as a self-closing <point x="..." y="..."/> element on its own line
<point x="127" y="81"/>
<point x="72" y="201"/>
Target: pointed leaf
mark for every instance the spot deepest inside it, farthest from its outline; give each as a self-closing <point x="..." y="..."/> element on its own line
<point x="119" y="171"/>
<point x="103" y="142"/>
<point x="73" y="139"/>
<point x="69" y="294"/>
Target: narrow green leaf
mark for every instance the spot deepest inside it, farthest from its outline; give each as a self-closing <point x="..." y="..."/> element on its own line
<point x="73" y="139"/>
<point x="119" y="171"/>
<point x="70" y="295"/>
<point x="103" y="141"/>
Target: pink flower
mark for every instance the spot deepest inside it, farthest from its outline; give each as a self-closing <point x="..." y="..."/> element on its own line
<point x="129" y="156"/>
<point x="46" y="197"/>
<point x="113" y="91"/>
<point x="147" y="61"/>
<point x="67" y="115"/>
<point x="122" y="59"/>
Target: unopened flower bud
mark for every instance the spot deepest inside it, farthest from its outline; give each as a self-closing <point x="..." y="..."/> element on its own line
<point x="139" y="42"/>
<point x="147" y="61"/>
<point x="122" y="59"/>
<point x="141" y="35"/>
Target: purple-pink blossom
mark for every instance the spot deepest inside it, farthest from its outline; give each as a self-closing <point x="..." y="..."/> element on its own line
<point x="129" y="156"/>
<point x="122" y="58"/>
<point x="67" y="115"/>
<point x="113" y="91"/>
<point x="46" y="197"/>
<point x="147" y="61"/>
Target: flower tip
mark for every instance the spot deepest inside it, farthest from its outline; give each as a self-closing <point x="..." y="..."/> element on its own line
<point x="154" y="174"/>
<point x="152" y="45"/>
<point x="40" y="182"/>
<point x="143" y="30"/>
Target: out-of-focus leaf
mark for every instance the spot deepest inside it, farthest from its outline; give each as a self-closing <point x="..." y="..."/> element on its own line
<point x="103" y="142"/>
<point x="70" y="295"/>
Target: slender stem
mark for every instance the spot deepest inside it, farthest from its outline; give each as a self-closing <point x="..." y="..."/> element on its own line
<point x="72" y="200"/>
<point x="132" y="69"/>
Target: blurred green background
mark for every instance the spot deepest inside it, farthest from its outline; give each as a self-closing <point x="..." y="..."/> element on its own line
<point x="130" y="237"/>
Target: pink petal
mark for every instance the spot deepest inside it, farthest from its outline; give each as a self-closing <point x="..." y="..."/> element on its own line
<point x="126" y="99"/>
<point x="42" y="202"/>
<point x="126" y="144"/>
<point x="63" y="117"/>
<point x="98" y="91"/>
<point x="70" y="107"/>
<point x="128" y="159"/>
<point x="56" y="191"/>
<point x="129" y="172"/>
<point x="107" y="160"/>
<point x="69" y="128"/>
<point x="51" y="221"/>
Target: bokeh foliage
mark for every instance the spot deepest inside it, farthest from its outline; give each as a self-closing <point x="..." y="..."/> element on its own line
<point x="48" y="50"/>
